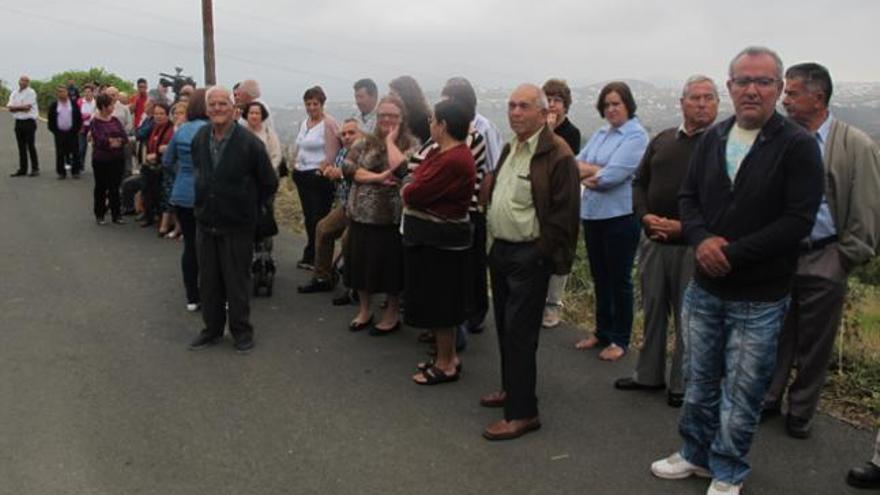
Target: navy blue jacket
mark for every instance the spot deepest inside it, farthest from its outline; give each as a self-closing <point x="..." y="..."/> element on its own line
<point x="768" y="209"/>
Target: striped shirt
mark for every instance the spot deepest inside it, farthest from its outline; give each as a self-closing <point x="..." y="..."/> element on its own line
<point x="477" y="144"/>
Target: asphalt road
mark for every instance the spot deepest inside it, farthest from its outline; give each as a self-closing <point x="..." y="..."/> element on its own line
<point x="100" y="396"/>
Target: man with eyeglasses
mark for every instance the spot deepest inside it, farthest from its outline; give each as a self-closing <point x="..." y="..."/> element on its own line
<point x="751" y="194"/>
<point x="666" y="262"/>
<point x="845" y="235"/>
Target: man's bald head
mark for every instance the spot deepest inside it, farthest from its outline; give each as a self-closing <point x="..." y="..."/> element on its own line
<point x="527" y="110"/>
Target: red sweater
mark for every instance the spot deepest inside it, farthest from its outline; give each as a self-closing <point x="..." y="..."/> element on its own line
<point x="443" y="183"/>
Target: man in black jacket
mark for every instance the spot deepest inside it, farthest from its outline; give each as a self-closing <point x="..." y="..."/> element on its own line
<point x="65" y="122"/>
<point x="751" y="194"/>
<point x="234" y="180"/>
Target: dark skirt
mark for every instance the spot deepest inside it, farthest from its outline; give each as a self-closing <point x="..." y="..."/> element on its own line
<point x="373" y="258"/>
<point x="436" y="284"/>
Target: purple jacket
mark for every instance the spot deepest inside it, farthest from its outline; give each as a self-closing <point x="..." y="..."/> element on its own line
<point x="102" y="131"/>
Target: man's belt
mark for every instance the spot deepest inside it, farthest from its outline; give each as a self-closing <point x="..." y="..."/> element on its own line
<point x="808" y="246"/>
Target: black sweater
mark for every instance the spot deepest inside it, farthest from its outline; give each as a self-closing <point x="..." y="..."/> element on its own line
<point x="764" y="214"/>
<point x="660" y="174"/>
<point x="571" y="134"/>
<point x="229" y="195"/>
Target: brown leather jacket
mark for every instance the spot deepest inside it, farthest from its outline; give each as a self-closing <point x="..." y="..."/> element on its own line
<point x="556" y="194"/>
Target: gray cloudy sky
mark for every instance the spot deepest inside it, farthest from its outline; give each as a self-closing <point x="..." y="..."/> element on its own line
<point x="290" y="45"/>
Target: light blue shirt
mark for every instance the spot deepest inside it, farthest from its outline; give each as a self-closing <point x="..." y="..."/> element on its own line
<point x="824" y="226"/>
<point x="618" y="151"/>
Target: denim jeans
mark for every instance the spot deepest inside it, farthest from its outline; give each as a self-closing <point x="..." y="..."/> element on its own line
<point x="730" y="356"/>
<point x="611" y="248"/>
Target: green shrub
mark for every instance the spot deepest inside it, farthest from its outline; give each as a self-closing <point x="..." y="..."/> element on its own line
<point x="46" y="89"/>
<point x="4" y="93"/>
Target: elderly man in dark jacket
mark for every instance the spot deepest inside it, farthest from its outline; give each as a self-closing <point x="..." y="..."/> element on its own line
<point x="234" y="181"/>
<point x="533" y="224"/>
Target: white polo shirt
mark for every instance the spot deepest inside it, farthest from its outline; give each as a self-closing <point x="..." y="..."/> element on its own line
<point x="24" y="97"/>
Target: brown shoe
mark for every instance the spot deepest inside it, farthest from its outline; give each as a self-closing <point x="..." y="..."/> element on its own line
<point x="508" y="430"/>
<point x="495" y="399"/>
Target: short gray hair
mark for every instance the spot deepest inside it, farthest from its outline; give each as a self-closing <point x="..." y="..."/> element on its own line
<point x="218" y="89"/>
<point x="695" y="79"/>
<point x="250" y="87"/>
<point x="755" y="51"/>
<point x="541" y="100"/>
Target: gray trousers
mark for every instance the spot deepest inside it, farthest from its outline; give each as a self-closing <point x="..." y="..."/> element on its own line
<point x="806" y="340"/>
<point x="876" y="459"/>
<point x="224" y="276"/>
<point x="664" y="271"/>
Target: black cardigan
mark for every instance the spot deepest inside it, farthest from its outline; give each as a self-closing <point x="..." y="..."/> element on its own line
<point x="229" y="196"/>
<point x="76" y="115"/>
<point x="764" y="214"/>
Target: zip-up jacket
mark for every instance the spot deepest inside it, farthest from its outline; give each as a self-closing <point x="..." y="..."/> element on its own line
<point x="763" y="214"/>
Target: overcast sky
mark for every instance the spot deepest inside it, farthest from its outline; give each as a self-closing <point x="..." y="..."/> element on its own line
<point x="290" y="45"/>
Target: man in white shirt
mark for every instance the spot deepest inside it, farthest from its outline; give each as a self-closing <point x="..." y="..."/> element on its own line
<point x="23" y="106"/>
<point x="366" y="97"/>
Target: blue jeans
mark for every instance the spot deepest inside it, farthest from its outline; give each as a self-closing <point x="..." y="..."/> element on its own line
<point x="729" y="359"/>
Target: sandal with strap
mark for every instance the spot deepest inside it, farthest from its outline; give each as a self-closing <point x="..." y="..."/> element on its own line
<point x="430" y="364"/>
<point x="436" y="376"/>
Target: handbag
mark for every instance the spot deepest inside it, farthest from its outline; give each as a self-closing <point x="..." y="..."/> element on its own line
<point x="421" y="228"/>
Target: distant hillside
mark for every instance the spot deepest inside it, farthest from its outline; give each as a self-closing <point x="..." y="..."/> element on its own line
<point x="658" y="108"/>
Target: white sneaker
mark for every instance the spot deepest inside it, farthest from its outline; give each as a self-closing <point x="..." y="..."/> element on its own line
<point x="675" y="467"/>
<point x="551" y="316"/>
<point x="192" y="307"/>
<point x="721" y="488"/>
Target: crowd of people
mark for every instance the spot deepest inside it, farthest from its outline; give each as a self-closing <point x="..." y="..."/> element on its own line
<point x="744" y="230"/>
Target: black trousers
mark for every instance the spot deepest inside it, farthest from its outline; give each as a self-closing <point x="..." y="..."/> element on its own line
<point x="520" y="276"/>
<point x="25" y="133"/>
<point x="189" y="261"/>
<point x="478" y="297"/>
<point x="108" y="178"/>
<point x="316" y="196"/>
<point x="224" y="277"/>
<point x="67" y="150"/>
<point x="151" y="191"/>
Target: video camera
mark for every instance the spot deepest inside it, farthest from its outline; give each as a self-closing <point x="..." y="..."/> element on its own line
<point x="176" y="81"/>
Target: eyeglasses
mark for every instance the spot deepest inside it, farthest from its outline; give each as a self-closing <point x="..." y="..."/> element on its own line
<point x="761" y="82"/>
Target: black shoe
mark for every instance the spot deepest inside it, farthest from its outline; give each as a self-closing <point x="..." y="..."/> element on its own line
<point x="350" y="297"/>
<point x="119" y="221"/>
<point x="34" y="173"/>
<point x="305" y="265"/>
<point x="100" y="221"/>
<point x="630" y="384"/>
<point x="864" y="476"/>
<point x="204" y="340"/>
<point x="18" y="174"/>
<point x="244" y="345"/>
<point x="316" y="285"/>
<point x="770" y="411"/>
<point x="62" y="177"/>
<point x="798" y="427"/>
<point x="674" y="399"/>
<point x="357" y="327"/>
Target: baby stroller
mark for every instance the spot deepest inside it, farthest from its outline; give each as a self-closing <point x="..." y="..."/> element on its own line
<point x="263" y="266"/>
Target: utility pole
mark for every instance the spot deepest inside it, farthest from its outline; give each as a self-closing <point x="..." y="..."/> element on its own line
<point x="208" y="42"/>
